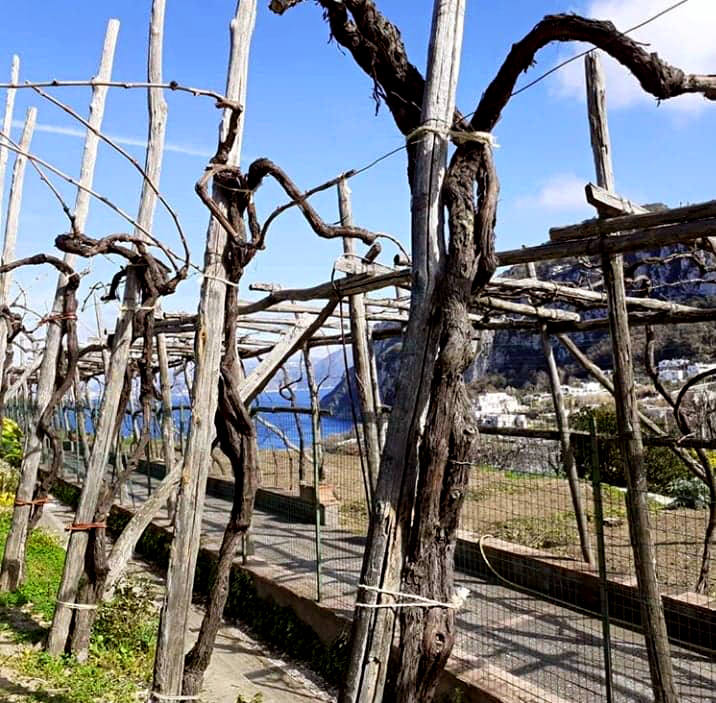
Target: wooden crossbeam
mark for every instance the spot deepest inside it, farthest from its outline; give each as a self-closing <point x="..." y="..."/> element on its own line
<point x="610" y="204"/>
<point x="305" y="327"/>
<point x="353" y="265"/>
<point x="593" y="227"/>
<point x="618" y="244"/>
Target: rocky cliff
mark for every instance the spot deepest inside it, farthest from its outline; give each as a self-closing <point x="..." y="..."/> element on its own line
<point x="515" y="358"/>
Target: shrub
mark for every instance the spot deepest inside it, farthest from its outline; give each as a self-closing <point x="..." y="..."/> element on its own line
<point x="689" y="493"/>
<point x="662" y="466"/>
<point x="11" y="442"/>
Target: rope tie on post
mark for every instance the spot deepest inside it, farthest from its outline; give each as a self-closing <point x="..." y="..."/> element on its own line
<point x="57" y="317"/>
<point x="84" y="526"/>
<point x="37" y="501"/>
<point x="458" y="136"/>
<point x="414" y="601"/>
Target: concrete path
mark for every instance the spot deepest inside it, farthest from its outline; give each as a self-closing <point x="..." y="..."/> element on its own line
<point x="241" y="668"/>
<point x="555" y="653"/>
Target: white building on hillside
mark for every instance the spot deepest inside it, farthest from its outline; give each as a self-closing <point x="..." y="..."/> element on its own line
<point x="499" y="410"/>
<point x="679" y="370"/>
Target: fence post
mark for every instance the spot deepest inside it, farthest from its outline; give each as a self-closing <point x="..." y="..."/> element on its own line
<point x="601" y="560"/>
<point x="317" y="508"/>
<point x="629" y="427"/>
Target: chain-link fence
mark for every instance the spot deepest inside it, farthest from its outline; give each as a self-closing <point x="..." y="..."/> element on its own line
<point x="539" y="618"/>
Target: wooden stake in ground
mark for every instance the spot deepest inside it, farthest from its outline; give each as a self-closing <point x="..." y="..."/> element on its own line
<point x="373" y="628"/>
<point x="115" y="377"/>
<point x="361" y="354"/>
<point x="7" y="120"/>
<point x="313" y="390"/>
<point x="568" y="462"/>
<point x="12" y="224"/>
<point x="652" y="612"/>
<point x="13" y="559"/>
<point x="169" y="662"/>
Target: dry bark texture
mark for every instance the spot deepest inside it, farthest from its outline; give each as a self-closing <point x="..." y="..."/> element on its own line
<point x="375" y="44"/>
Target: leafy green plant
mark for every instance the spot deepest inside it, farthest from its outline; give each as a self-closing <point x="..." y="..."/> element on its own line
<point x="8" y="484"/>
<point x="88" y="682"/>
<point x="125" y="630"/>
<point x="256" y="698"/>
<point x="688" y="493"/>
<point x="122" y="647"/>
<point x="662" y="466"/>
<point x="11" y="442"/>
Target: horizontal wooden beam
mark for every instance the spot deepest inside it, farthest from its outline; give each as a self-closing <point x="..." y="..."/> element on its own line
<point x="572" y="293"/>
<point x="332" y="290"/>
<point x="616" y="244"/>
<point x="590" y="228"/>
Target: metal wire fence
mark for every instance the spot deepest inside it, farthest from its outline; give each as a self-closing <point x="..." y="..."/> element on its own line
<point x="538" y="618"/>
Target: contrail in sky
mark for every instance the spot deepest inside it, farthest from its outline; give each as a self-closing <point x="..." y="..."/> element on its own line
<point x="78" y="133"/>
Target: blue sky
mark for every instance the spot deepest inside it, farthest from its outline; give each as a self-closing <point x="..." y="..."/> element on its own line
<point x="310" y="109"/>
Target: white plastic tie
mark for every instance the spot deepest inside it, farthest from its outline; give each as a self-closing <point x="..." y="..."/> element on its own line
<point x="78" y="606"/>
<point x="411" y="600"/>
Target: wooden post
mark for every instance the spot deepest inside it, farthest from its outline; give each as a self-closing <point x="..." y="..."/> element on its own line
<point x="315" y="418"/>
<point x="169" y="661"/>
<point x="12" y="224"/>
<point x="630" y="439"/>
<point x="377" y="402"/>
<point x="361" y="354"/>
<point x="373" y="629"/>
<point x="12" y="567"/>
<point x="118" y="361"/>
<point x="100" y="335"/>
<point x="165" y="382"/>
<point x="568" y="462"/>
<point x="7" y="120"/>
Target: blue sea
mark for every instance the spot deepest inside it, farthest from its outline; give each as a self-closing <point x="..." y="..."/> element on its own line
<point x="267" y="439"/>
<point x="287" y="421"/>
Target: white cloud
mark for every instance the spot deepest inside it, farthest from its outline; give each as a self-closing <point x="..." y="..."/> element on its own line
<point x="560" y="192"/>
<point x="683" y="38"/>
<point x="77" y="132"/>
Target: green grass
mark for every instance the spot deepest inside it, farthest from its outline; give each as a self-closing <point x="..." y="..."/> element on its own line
<point x="45" y="558"/>
<point x="548" y="532"/>
<point x="121" y="652"/>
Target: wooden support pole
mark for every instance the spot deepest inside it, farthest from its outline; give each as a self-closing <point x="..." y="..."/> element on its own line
<point x="316" y="436"/>
<point x="165" y="383"/>
<point x="341" y="287"/>
<point x="610" y="205"/>
<point x="624" y="223"/>
<point x="12" y="567"/>
<point x="361" y="353"/>
<point x="12" y="225"/>
<point x="652" y="611"/>
<point x="7" y="120"/>
<point x="257" y="380"/>
<point x="377" y="396"/>
<point x="116" y="372"/>
<point x="568" y="461"/>
<point x="169" y="661"/>
<point x="384" y="557"/>
<point x="584" y="295"/>
<point x="618" y="243"/>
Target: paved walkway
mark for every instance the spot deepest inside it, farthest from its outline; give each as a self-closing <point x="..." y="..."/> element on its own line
<point x="556" y="652"/>
<point x="240" y="665"/>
